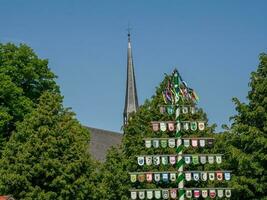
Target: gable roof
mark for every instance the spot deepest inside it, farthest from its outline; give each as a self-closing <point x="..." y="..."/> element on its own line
<point x="101" y="141"/>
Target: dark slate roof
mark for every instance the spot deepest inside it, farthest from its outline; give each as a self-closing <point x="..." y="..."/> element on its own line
<point x="101" y="141"/>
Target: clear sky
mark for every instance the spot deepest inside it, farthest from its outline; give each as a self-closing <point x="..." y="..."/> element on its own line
<point x="214" y="44"/>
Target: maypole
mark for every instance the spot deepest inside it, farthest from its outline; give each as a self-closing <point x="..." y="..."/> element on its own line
<point x="180" y="106"/>
<point x="179" y="149"/>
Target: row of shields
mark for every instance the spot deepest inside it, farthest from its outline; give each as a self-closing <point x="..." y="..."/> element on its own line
<point x="172" y="176"/>
<point x="177" y="126"/>
<point x="174" y="142"/>
<point x="173" y="159"/>
<point x="174" y="192"/>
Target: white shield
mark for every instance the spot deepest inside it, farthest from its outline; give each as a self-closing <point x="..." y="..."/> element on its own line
<point x="177" y="113"/>
<point x="157" y="194"/>
<point x="202" y="143"/>
<point x="196" y="193"/>
<point x="155" y="143"/>
<point x="171" y="142"/>
<point x="165" y="194"/>
<point x="148" y="143"/>
<point x="141" y="195"/>
<point x="204" y="176"/>
<point x="148" y="160"/>
<point x="211" y="159"/>
<point x="203" y="159"/>
<point x="173" y="177"/>
<point x="212" y="194"/>
<point x="172" y="160"/>
<point x="149" y="194"/>
<point x="185" y="110"/>
<point x="163" y="126"/>
<point x="141" y="160"/>
<point x="220" y="193"/>
<point x="218" y="159"/>
<point x="196" y="176"/>
<point x="194" y="142"/>
<point x="133" y="195"/>
<point x="227" y="176"/>
<point x="188" y="193"/>
<point x="228" y="193"/>
<point x="211" y="176"/>
<point x="188" y="176"/>
<point x="204" y="193"/>
<point x="186" y="142"/>
<point x="187" y="159"/>
<point x="156" y="160"/>
<point x="157" y="177"/>
<point x="201" y="126"/>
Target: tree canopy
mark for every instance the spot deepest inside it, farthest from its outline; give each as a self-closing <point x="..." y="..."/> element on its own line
<point x="23" y="79"/>
<point x="246" y="142"/>
<point x="47" y="156"/>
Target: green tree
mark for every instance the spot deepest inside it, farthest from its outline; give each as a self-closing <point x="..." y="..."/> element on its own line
<point x="121" y="161"/>
<point x="246" y="142"/>
<point x="47" y="156"/>
<point x="23" y="78"/>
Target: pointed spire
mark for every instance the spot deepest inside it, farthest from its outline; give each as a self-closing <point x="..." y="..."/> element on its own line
<point x="131" y="100"/>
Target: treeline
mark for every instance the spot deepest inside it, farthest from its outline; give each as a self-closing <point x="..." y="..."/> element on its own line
<point x="44" y="149"/>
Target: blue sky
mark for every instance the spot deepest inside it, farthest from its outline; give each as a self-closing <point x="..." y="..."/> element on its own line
<point x="214" y="44"/>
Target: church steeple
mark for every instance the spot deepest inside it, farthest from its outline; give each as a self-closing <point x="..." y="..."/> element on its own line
<point x="131" y="100"/>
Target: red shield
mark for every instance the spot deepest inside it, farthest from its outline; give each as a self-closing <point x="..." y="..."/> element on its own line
<point x="196" y="193"/>
<point x="212" y="194"/>
<point x="171" y="126"/>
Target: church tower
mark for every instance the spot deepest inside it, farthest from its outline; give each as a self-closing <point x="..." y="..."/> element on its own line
<point x="131" y="100"/>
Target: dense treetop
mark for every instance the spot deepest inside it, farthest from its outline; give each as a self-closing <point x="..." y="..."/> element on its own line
<point x="246" y="142"/>
<point x="23" y="78"/>
<point x="47" y="156"/>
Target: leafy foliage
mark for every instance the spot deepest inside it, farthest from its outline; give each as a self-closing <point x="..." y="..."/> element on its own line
<point x="47" y="156"/>
<point x="23" y="78"/>
<point x="246" y="142"/>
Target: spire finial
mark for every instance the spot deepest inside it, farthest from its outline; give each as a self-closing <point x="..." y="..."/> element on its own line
<point x="129" y="32"/>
